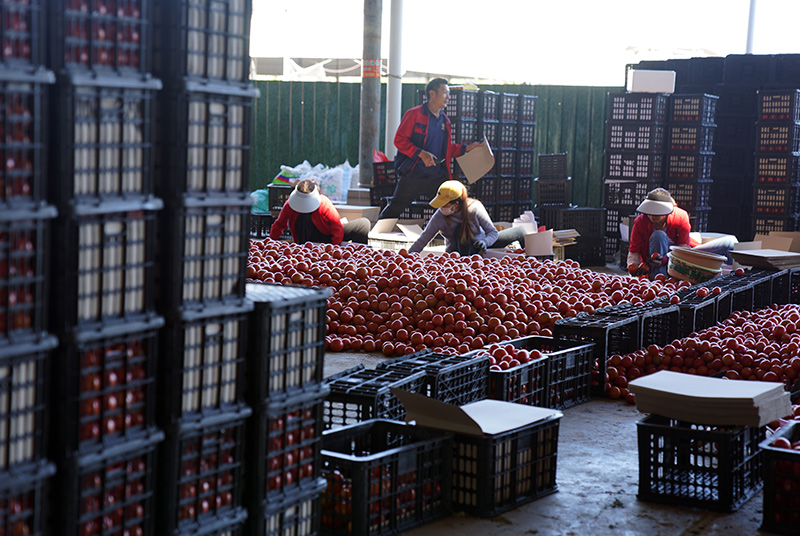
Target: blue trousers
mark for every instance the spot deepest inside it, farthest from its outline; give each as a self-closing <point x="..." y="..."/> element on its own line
<point x="659" y="242"/>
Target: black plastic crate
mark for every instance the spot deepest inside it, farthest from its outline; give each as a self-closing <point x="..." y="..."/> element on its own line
<point x="260" y="225"/>
<point x="736" y="131"/>
<point x="552" y="191"/>
<point x="700" y="218"/>
<point x="743" y="69"/>
<point x="101" y="38"/>
<point x="508" y="136"/>
<point x="486" y="189"/>
<point x="507" y="211"/>
<point x="776" y="200"/>
<point x="455" y="380"/>
<point x="525" y="163"/>
<point x="491" y="131"/>
<point x="107" y="392"/>
<point x="204" y="141"/>
<point x="488" y="102"/>
<point x="553" y="166"/>
<point x="777" y="168"/>
<point x="635" y="136"/>
<point x="508" y="107"/>
<point x="24" y="274"/>
<point x="642" y="166"/>
<point x="733" y="163"/>
<point x="506" y="162"/>
<point x="496" y="473"/>
<point x="527" y="113"/>
<point x="781" y="287"/>
<point x="365" y="394"/>
<point x="24" y="397"/>
<point x="22" y="34"/>
<point x="689" y="166"/>
<point x="611" y="245"/>
<point x="794" y="285"/>
<point x="462" y="104"/>
<point x="688" y="194"/>
<point x="104" y="494"/>
<point x="207" y="41"/>
<point x="610" y="335"/>
<point x="762" y="287"/>
<point x="105" y="139"/>
<point x="588" y="221"/>
<point x="697" y="313"/>
<point x="736" y="100"/>
<point x="783" y="105"/>
<point x="778" y="136"/>
<point x="283" y="449"/>
<point x="107" y="267"/>
<point x="568" y="369"/>
<point x="201" y="474"/>
<point x="527" y="135"/>
<point x="684" y="137"/>
<point x="627" y="192"/>
<point x="712" y="467"/>
<point x="201" y="368"/>
<point x="279" y="194"/>
<point x="587" y="251"/>
<point x="616" y="215"/>
<point x="741" y="293"/>
<point x="787" y="69"/>
<point x="24" y="502"/>
<point x="637" y="107"/>
<point x="385" y="477"/>
<point x="765" y="224"/>
<point x="205" y="249"/>
<point x="659" y="322"/>
<point x="781" y="482"/>
<point x="464" y="131"/>
<point x="23" y="120"/>
<point x="701" y="108"/>
<point x="299" y="516"/>
<point x="231" y="525"/>
<point x="513" y="189"/>
<point x="286" y="346"/>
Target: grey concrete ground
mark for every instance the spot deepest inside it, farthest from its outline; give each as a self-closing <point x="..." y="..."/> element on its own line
<point x="598" y="480"/>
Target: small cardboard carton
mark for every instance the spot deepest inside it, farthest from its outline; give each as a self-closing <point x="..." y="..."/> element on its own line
<point x="651" y="81"/>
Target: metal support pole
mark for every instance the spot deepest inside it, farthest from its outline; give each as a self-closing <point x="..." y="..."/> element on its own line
<point x="394" y="89"/>
<point x="751" y="23"/>
<point x="369" y="135"/>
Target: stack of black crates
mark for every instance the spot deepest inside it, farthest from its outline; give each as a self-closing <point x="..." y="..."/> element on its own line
<point x="204" y="119"/>
<point x="690" y="155"/>
<point x="635" y="144"/>
<point x="286" y="391"/>
<point x="776" y="191"/>
<point x="26" y="344"/>
<point x="508" y="122"/>
<point x="102" y="305"/>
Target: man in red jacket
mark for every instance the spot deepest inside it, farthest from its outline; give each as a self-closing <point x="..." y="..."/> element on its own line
<point x="311" y="217"/>
<point x="424" y="146"/>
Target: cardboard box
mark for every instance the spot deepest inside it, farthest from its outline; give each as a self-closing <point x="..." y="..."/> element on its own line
<point x="504" y="454"/>
<point x="646" y="81"/>
<point x="353" y="212"/>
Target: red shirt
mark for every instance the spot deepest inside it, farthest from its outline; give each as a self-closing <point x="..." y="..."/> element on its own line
<point x="326" y="218"/>
<point x="677" y="230"/>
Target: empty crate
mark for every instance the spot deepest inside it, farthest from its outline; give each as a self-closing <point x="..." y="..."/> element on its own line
<point x="105" y="142"/>
<point x="638" y="107"/>
<point x="642" y="166"/>
<point x="287" y="340"/>
<point x="635" y="136"/>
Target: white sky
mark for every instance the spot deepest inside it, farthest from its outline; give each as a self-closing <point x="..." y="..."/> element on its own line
<point x="569" y="42"/>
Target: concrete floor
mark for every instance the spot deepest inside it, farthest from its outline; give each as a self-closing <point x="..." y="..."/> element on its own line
<point x="597" y="479"/>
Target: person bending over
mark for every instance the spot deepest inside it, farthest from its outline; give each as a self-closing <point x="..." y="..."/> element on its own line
<point x="464" y="223"/>
<point x="311" y="217"/>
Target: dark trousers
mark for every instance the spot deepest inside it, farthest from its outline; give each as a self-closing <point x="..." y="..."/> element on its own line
<point x="408" y="189"/>
<point x="506" y="236"/>
<point x="357" y="230"/>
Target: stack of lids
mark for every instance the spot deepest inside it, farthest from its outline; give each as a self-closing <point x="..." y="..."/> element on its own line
<point x="711" y="401"/>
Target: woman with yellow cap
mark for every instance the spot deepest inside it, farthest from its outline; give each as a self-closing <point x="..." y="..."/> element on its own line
<point x="464" y="223"/>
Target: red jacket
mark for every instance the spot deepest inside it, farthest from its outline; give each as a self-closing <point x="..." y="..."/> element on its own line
<point x="410" y="139"/>
<point x="326" y="218"/>
<point x="677" y="230"/>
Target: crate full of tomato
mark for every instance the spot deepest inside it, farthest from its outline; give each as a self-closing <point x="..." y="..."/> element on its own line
<point x="781" y="459"/>
<point x="504" y="454"/>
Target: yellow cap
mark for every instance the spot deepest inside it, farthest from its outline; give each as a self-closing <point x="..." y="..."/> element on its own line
<point x="448" y="191"/>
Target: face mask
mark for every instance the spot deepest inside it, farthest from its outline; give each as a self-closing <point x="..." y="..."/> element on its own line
<point x="449" y="209"/>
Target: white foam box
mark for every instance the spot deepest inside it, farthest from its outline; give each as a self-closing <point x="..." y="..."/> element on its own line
<point x="646" y="81"/>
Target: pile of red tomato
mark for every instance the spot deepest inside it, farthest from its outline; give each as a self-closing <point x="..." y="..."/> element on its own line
<point x="398" y="302"/>
<point x="761" y="345"/>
